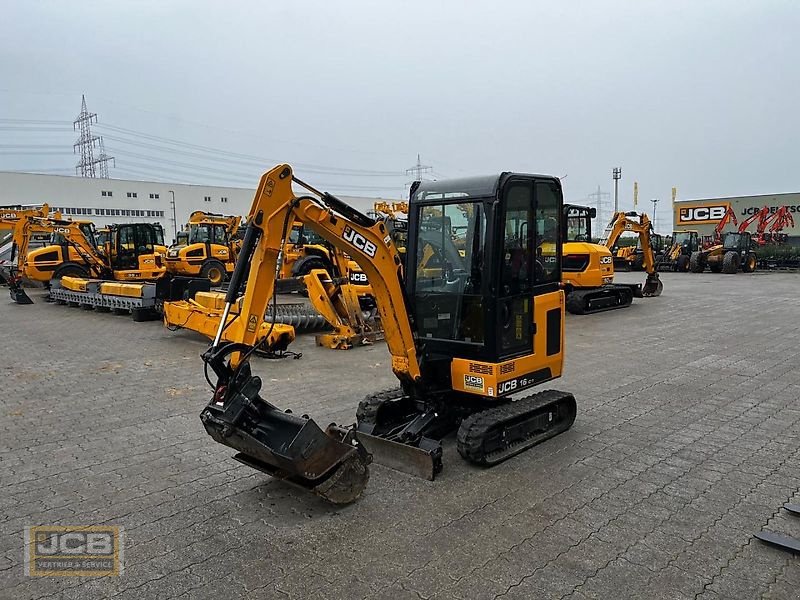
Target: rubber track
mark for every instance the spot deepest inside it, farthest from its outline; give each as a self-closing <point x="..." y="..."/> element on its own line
<point x="474" y="428"/>
<point x="368" y="408"/>
<point x="576" y="305"/>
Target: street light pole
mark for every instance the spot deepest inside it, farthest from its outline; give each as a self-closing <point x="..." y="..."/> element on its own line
<point x="174" y="219"/>
<point x="617" y="174"/>
<point x="655" y="205"/>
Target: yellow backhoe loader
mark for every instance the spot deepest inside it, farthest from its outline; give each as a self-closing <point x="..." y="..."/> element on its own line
<point x="208" y="250"/>
<point x="128" y="256"/>
<point x="463" y="339"/>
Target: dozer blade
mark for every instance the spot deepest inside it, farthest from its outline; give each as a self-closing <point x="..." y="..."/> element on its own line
<point x="652" y="286"/>
<point x="424" y="461"/>
<point x="331" y="463"/>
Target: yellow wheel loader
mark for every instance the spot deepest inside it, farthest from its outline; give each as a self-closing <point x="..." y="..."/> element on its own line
<point x="486" y="325"/>
<point x="208" y="248"/>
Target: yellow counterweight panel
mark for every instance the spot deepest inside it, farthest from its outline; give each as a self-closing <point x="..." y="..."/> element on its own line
<point x="512" y="376"/>
<point x="599" y="271"/>
<point x="128" y="290"/>
<point x="76" y="284"/>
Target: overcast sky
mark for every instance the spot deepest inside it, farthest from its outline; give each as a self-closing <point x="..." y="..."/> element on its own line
<point x="698" y="95"/>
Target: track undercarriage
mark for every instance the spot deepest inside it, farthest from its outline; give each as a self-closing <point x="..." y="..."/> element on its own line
<point x="584" y="301"/>
<point x="405" y="433"/>
<point x="397" y="430"/>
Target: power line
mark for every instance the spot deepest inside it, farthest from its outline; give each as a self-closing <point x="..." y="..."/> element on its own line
<point x="89" y="165"/>
<point x="417" y="170"/>
<point x="250" y="157"/>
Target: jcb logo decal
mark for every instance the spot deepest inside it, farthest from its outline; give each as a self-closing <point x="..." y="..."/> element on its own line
<point x="61" y="229"/>
<point x="474" y="382"/>
<point x="506" y="387"/>
<point x="8" y="216"/>
<point x="359" y="241"/>
<point x="356" y="277"/>
<point x="606" y="260"/>
<point x="702" y="214"/>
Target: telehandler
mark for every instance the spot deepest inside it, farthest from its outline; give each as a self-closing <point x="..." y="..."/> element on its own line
<point x="677" y="257"/>
<point x="735" y="253"/>
<point x="486" y="325"/>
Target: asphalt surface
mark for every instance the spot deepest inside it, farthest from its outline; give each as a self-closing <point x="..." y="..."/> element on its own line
<point x="687" y="442"/>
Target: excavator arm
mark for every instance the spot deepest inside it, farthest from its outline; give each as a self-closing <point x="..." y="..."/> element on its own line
<point x="644" y="229"/>
<point x="331" y="463"/>
<point x="23" y="231"/>
<point x="274" y="209"/>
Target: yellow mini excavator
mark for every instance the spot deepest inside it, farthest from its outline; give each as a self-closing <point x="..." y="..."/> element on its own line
<point x="588" y="268"/>
<point x="638" y="223"/>
<point x="463" y="337"/>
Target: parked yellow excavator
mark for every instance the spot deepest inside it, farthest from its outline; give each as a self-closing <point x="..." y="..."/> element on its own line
<point x="588" y="268"/>
<point x="463" y="338"/>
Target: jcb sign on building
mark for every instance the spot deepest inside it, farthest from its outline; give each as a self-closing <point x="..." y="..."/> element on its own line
<point x="52" y="550"/>
<point x="701" y="214"/>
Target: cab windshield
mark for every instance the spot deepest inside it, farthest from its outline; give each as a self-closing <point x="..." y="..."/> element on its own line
<point x="731" y="241"/>
<point x="578" y="225"/>
<point x="682" y="238"/>
<point x="207" y="233"/>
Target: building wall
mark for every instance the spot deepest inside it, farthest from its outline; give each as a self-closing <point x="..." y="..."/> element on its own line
<point x="705" y="214"/>
<point x="107" y="201"/>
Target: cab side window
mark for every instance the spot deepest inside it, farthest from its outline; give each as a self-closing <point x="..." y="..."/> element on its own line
<point x="548" y="223"/>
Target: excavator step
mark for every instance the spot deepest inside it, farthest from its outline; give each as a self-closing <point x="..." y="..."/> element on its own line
<point x="599" y="299"/>
<point x="496" y="434"/>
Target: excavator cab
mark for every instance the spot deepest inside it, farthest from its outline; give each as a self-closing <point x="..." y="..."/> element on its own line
<point x="492" y="259"/>
<point x="133" y="245"/>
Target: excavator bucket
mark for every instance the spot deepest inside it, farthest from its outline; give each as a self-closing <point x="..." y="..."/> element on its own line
<point x="652" y="286"/>
<point x="330" y="463"/>
<point x="15" y="289"/>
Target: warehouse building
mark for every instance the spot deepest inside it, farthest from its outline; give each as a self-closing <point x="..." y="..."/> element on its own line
<point x="704" y="215"/>
<point x="107" y="201"/>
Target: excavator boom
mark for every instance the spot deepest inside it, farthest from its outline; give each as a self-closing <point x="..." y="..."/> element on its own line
<point x="332" y="464"/>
